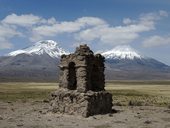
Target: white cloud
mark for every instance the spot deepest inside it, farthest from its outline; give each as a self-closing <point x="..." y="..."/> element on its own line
<point x="6" y="33"/>
<point x="65" y="27"/>
<point x="91" y="21"/>
<point x="114" y="35"/>
<point x="110" y="35"/>
<point x="22" y="20"/>
<point x="84" y="29"/>
<point x="163" y="13"/>
<point x="156" y="41"/>
<point x="127" y="21"/>
<point x="50" y="21"/>
<point x="4" y="44"/>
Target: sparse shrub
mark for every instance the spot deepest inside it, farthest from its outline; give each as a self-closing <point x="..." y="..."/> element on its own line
<point x="102" y="126"/>
<point x="169" y="106"/>
<point x="135" y="103"/>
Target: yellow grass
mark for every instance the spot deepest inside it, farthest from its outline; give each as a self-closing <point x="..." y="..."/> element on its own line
<point x="162" y="90"/>
<point x="124" y="93"/>
<point x="140" y="93"/>
<point x="25" y="91"/>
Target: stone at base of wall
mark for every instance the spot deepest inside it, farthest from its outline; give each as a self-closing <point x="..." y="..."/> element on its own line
<point x="85" y="104"/>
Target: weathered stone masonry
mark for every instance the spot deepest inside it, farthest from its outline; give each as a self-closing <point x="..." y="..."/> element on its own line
<point x="81" y="87"/>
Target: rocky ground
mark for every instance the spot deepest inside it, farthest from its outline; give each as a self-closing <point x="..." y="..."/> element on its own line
<point x="35" y="114"/>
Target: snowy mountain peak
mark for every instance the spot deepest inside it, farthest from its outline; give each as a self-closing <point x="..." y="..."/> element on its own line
<point x="122" y="52"/>
<point x="49" y="47"/>
<point x="47" y="44"/>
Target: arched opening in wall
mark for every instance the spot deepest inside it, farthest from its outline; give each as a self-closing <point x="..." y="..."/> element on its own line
<point x="72" y="79"/>
<point x="95" y="77"/>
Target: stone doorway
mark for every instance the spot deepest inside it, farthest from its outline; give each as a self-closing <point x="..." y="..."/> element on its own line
<point x="81" y="89"/>
<point x="72" y="76"/>
<point x="94" y="77"/>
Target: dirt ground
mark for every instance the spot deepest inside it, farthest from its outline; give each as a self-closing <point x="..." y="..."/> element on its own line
<point x="34" y="114"/>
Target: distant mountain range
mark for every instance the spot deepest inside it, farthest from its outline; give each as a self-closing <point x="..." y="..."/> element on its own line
<point x="40" y="63"/>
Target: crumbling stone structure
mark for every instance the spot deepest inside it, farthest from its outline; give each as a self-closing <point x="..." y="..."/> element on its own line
<point x="81" y="87"/>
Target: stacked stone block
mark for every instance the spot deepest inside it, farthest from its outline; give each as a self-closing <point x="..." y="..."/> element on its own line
<point x="81" y="86"/>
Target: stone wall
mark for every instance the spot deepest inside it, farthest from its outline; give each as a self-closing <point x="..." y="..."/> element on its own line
<point x="89" y="70"/>
<point x="84" y="104"/>
<point x="81" y="87"/>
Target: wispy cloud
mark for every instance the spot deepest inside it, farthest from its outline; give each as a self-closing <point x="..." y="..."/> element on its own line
<point x="65" y="27"/>
<point x="156" y="40"/>
<point x="22" y="20"/>
<point x="84" y="29"/>
<point x="113" y="35"/>
<point x="6" y="33"/>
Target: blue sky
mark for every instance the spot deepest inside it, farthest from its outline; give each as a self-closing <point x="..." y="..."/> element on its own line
<point x="102" y="24"/>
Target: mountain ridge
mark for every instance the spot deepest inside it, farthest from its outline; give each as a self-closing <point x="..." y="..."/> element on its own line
<point x="46" y="46"/>
<point x="39" y="63"/>
<point x="122" y="52"/>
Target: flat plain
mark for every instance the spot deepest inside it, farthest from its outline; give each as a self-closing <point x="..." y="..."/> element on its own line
<point x="138" y="104"/>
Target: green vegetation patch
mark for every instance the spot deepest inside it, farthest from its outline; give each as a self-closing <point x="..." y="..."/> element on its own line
<point x="128" y="92"/>
<point x="102" y="126"/>
<point x="25" y="91"/>
<point x="139" y="82"/>
<point x="126" y="97"/>
<point x="123" y="94"/>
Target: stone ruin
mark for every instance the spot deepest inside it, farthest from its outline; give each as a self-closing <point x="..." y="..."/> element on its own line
<point x="81" y="86"/>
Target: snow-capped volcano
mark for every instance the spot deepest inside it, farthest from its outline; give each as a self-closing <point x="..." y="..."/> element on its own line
<point x="123" y="62"/>
<point x="49" y="47"/>
<point x="122" y="52"/>
<point x="40" y="63"/>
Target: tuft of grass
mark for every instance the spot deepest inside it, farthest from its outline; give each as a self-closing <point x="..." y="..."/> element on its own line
<point x="135" y="103"/>
<point x="168" y="106"/>
<point x="102" y="126"/>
